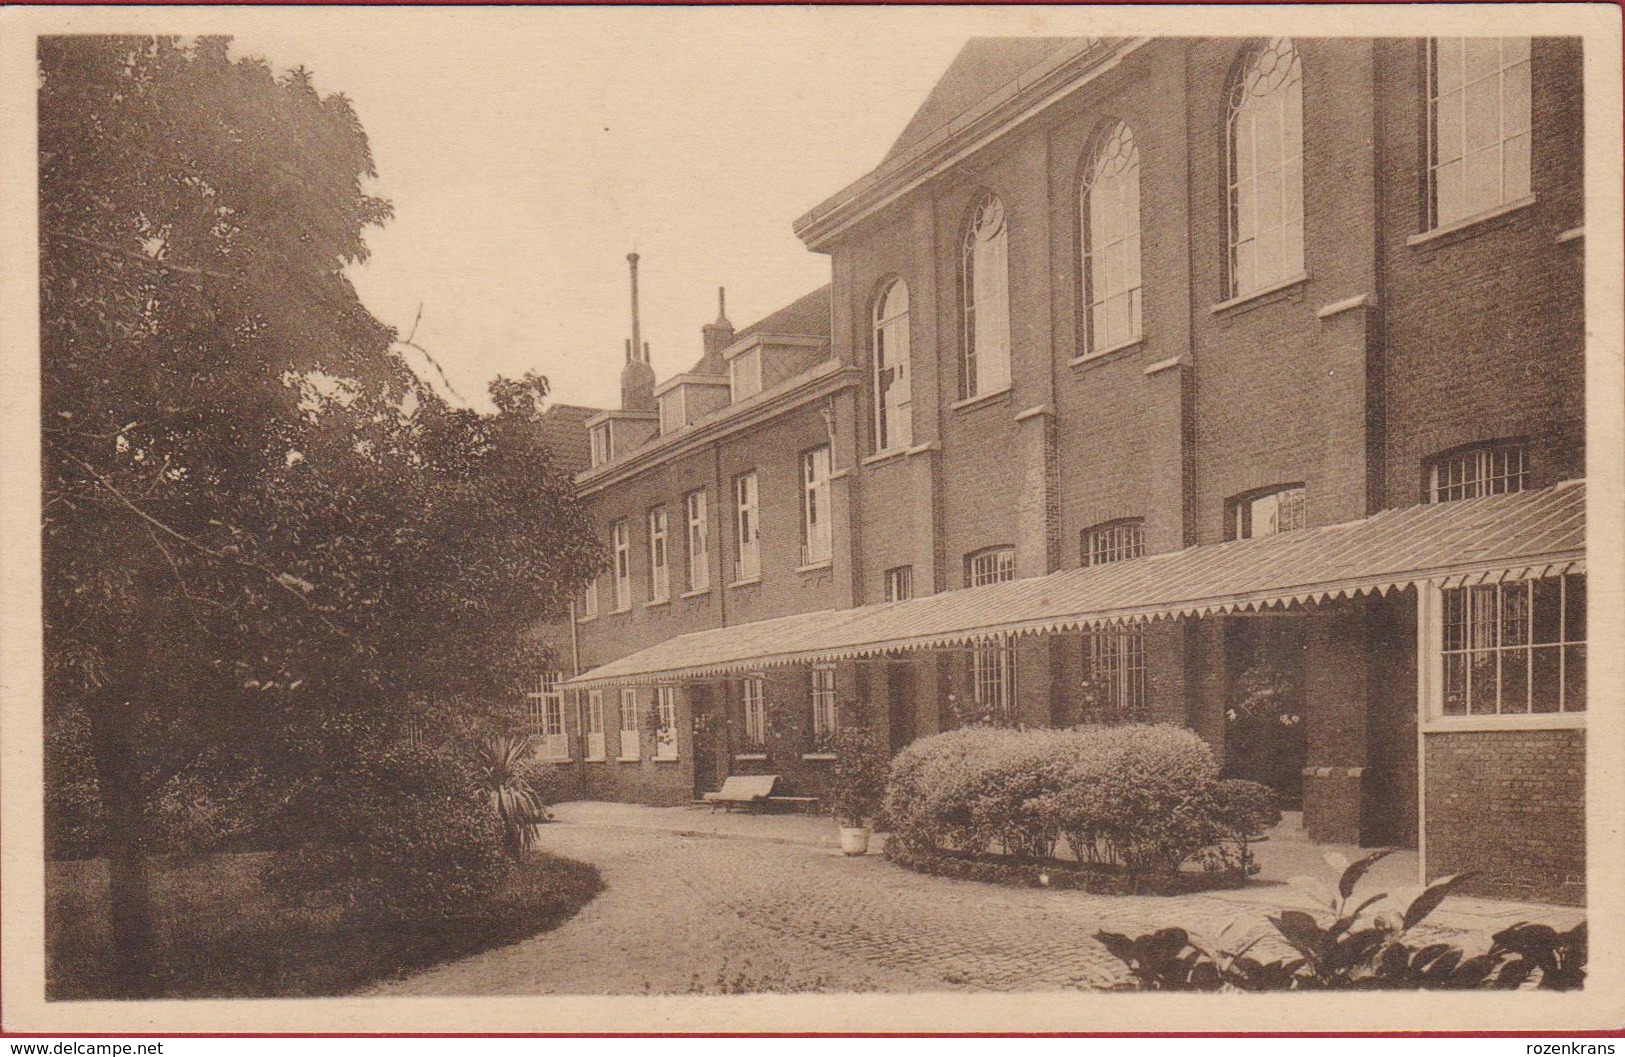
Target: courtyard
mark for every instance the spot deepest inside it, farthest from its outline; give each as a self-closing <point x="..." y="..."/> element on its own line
<point x="704" y="902"/>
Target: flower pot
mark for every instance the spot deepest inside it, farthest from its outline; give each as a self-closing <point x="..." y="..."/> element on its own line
<point x="855" y="840"/>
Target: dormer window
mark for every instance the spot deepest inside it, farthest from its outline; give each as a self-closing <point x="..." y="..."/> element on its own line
<point x="745" y="374"/>
<point x="603" y="444"/>
<point x="673" y="411"/>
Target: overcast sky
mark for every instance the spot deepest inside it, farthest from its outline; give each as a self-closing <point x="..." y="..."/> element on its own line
<point x="527" y="152"/>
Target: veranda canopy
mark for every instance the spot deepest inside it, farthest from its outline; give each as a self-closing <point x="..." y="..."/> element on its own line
<point x="1505" y="537"/>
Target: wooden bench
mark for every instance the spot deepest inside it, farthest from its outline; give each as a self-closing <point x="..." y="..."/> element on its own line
<point x="747" y="789"/>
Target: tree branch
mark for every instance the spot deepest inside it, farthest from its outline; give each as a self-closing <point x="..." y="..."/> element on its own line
<point x="411" y="344"/>
<point x="119" y="251"/>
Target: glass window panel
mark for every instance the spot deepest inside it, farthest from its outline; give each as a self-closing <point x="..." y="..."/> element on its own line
<point x="1455" y="684"/>
<point x="1515" y="681"/>
<point x="1574" y="609"/>
<point x="1483" y="114"/>
<point x="1515" y="615"/>
<point x="1448" y="130"/>
<point x="1574" y="678"/>
<point x="1515" y="98"/>
<point x="1267" y="263"/>
<point x="1547" y="609"/>
<point x="1544" y="681"/>
<point x="1242" y="129"/>
<point x="1514" y="50"/>
<point x="1269" y="199"/>
<point x="1483" y="57"/>
<point x="1447" y="64"/>
<point x="1483" y="190"/>
<point x="1448" y="192"/>
<point x="1246" y="209"/>
<point x="1292" y="248"/>
<point x="1517" y="167"/>
<point x="1267" y="132"/>
<point x="1246" y="274"/>
<point x="1485" y="682"/>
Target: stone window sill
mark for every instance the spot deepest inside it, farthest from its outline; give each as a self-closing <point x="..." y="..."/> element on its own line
<point x="698" y="592"/>
<point x="816" y="567"/>
<point x="818" y="756"/>
<point x="1106" y="353"/>
<point x="979" y="400"/>
<point x="750" y="756"/>
<point x="629" y="759"/>
<point x="1254" y="298"/>
<point x="598" y="759"/>
<point x="1458" y="229"/>
<point x="884" y="456"/>
<point x="656" y="602"/>
<point x="1528" y="721"/>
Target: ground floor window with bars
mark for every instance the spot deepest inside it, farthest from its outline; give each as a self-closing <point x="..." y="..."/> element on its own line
<point x="755" y="705"/>
<point x="631" y="739"/>
<point x="544" y="714"/>
<point x="1515" y="649"/>
<point x="992" y="672"/>
<point x="666" y="731"/>
<point x="823" y="709"/>
<point x="1114" y="677"/>
<point x="595" y="725"/>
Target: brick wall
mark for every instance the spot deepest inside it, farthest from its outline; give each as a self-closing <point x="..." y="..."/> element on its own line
<point x="1509" y="805"/>
<point x="1484" y="329"/>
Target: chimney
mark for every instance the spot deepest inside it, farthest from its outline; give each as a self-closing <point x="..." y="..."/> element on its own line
<point x="717" y="336"/>
<point x="637" y="377"/>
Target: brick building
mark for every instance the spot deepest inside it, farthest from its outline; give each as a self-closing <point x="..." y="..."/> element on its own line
<point x="1235" y="384"/>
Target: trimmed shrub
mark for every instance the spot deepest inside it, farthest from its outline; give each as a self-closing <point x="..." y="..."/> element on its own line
<point x="400" y="835"/>
<point x="1143" y="799"/>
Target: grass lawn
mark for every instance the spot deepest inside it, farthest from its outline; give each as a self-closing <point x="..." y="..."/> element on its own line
<point x="222" y="936"/>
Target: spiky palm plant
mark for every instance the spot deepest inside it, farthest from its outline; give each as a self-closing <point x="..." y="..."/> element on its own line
<point x="504" y="781"/>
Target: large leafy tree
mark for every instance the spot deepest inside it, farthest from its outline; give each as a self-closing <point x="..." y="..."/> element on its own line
<point x="262" y="532"/>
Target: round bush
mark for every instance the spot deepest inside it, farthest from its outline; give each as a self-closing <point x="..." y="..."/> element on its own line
<point x="1140" y="798"/>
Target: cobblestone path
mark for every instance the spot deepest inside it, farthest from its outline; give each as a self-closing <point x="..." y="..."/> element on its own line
<point x="716" y="914"/>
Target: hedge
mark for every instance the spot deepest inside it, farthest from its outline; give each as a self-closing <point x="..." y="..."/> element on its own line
<point x="1139" y="799"/>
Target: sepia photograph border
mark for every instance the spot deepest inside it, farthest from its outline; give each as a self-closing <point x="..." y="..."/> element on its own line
<point x="1600" y="1006"/>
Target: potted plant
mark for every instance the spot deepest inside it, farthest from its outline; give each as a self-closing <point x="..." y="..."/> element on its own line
<point x="859" y="786"/>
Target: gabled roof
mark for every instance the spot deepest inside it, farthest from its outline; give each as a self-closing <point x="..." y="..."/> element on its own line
<point x="982" y="67"/>
<point x="1504" y="537"/>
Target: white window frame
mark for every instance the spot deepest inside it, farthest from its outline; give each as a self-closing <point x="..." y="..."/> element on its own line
<point x="659" y="556"/>
<point x="697" y="519"/>
<point x="747" y="528"/>
<point x="595" y="725"/>
<point x="1495" y="100"/>
<point x="1288" y="505"/>
<point x="753" y="701"/>
<point x="603" y="443"/>
<point x="994" y="565"/>
<point x="984" y="283"/>
<point x="817" y="531"/>
<point x="825" y="712"/>
<point x="894" y="418"/>
<point x="1109" y="234"/>
<point x="666" y="709"/>
<point x="621" y="550"/>
<point x="1258" y="172"/>
<point x="1433" y="684"/>
<point x="1469" y="473"/>
<point x="589" y="600"/>
<point x="1114" y="541"/>
<point x="900" y="583"/>
<point x="544" y="706"/>
<point x="745" y="374"/>
<point x="631" y="736"/>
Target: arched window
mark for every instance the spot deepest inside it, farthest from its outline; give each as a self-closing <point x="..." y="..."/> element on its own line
<point x="1266" y="169"/>
<point x="1109" y="218"/>
<point x="894" y="425"/>
<point x="984" y="355"/>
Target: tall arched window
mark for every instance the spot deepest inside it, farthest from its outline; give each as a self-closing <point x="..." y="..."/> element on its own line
<point x="1266" y="169"/>
<point x="984" y="356"/>
<point x="1109" y="218"/>
<point x="894" y="426"/>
